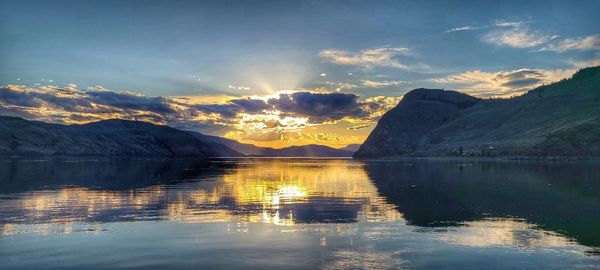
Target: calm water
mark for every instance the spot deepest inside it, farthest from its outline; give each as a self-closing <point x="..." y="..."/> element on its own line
<point x="298" y="214"/>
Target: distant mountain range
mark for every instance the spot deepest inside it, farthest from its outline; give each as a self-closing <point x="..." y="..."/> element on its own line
<point x="311" y="150"/>
<point x="560" y="119"/>
<point x="20" y="137"/>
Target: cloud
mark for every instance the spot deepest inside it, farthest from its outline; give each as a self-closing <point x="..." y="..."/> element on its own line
<point x="365" y="84"/>
<point x="224" y="110"/>
<point x="586" y="63"/>
<point x="293" y="137"/>
<point x="465" y="28"/>
<point x="132" y="101"/>
<point x="517" y="34"/>
<point x="359" y="126"/>
<point x="69" y="105"/>
<point x="319" y="107"/>
<point x="260" y="136"/>
<point x="508" y="24"/>
<point x="369" y="58"/>
<point x="290" y="111"/>
<point x="377" y="106"/>
<point x="503" y="83"/>
<point x="378" y="84"/>
<point x="517" y="37"/>
<point x="497" y="24"/>
<point x="251" y="105"/>
<point x="238" y="87"/>
<point x="589" y="43"/>
<point x="233" y="107"/>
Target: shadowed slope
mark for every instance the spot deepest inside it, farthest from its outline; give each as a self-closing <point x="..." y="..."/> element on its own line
<point x="103" y="138"/>
<point x="561" y="119"/>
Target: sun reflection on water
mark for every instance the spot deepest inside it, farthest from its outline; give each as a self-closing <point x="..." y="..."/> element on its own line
<point x="282" y="192"/>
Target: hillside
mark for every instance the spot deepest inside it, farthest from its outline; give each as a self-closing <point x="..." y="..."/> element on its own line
<point x="246" y="149"/>
<point x="351" y="147"/>
<point x="311" y="150"/>
<point x="292" y="151"/>
<point x="104" y="138"/>
<point x="560" y="119"/>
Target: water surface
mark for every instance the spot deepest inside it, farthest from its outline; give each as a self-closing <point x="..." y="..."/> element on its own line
<point x="298" y="214"/>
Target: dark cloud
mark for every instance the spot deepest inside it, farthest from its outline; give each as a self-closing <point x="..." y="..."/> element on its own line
<point x="8" y="96"/>
<point x="227" y="110"/>
<point x="69" y="105"/>
<point x="520" y="83"/>
<point x="46" y="96"/>
<point x="520" y="74"/>
<point x="319" y="107"/>
<point x="234" y="107"/>
<point x="130" y="101"/>
<point x="252" y="105"/>
<point x="520" y="78"/>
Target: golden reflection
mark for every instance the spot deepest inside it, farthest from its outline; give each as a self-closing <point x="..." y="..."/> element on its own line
<point x="504" y="232"/>
<point x="284" y="187"/>
<point x="8" y="229"/>
<point x="281" y="192"/>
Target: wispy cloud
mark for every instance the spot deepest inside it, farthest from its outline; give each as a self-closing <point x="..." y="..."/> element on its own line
<point x="509" y="23"/>
<point x="369" y="58"/>
<point x="589" y="43"/>
<point x="365" y="84"/>
<point x="586" y="63"/>
<point x="497" y="24"/>
<point x="517" y="34"/>
<point x="379" y="84"/>
<point x="465" y="28"/>
<point x="238" y="87"/>
<point x="503" y="83"/>
<point x="359" y="126"/>
<point x="517" y="38"/>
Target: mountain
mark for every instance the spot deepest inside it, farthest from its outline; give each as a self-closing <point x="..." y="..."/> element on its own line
<point x="292" y="151"/>
<point x="104" y="138"/>
<point x="311" y="150"/>
<point x="351" y="147"/>
<point x="246" y="149"/>
<point x="560" y="119"/>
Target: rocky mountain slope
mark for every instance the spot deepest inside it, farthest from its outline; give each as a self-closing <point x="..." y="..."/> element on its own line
<point x="560" y="119"/>
<point x="104" y="138"/>
<point x="351" y="147"/>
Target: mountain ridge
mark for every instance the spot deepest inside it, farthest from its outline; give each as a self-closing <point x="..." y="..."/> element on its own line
<point x="117" y="137"/>
<point x="113" y="137"/>
<point x="310" y="150"/>
<point x="559" y="119"/>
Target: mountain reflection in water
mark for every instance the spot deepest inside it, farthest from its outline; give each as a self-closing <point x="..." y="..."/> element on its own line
<point x="383" y="210"/>
<point x="275" y="191"/>
<point x="559" y="197"/>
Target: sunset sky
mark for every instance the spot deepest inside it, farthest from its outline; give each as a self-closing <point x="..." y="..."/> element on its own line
<point x="278" y="73"/>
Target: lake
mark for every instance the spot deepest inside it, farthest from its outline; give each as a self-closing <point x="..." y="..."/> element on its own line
<point x="298" y="214"/>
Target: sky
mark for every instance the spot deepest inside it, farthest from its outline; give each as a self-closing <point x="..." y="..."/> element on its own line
<point x="278" y="73"/>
